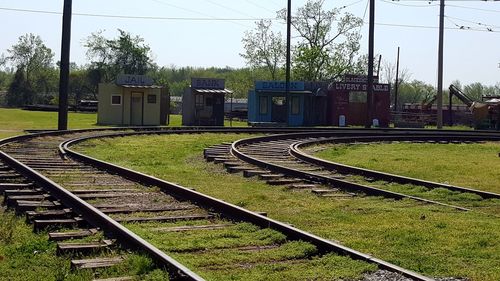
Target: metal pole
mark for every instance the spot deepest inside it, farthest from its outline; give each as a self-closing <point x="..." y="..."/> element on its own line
<point x="378" y="66"/>
<point x="369" y="92"/>
<point x="64" y="67"/>
<point x="439" y="120"/>
<point x="231" y="112"/>
<point x="288" y="59"/>
<point x="396" y="87"/>
<point x="450" y="112"/>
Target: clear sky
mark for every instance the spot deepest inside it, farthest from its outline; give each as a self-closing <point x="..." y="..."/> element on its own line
<point x="471" y="55"/>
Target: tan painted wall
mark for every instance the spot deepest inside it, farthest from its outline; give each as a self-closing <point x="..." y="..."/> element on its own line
<point x="120" y="114"/>
<point x="108" y="114"/>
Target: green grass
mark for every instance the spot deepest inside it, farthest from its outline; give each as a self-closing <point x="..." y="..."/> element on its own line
<point x="468" y="165"/>
<point x="26" y="256"/>
<point x="13" y="122"/>
<point x="433" y="240"/>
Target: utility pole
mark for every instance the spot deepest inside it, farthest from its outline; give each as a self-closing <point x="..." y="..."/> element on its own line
<point x="439" y="120"/>
<point x="288" y="59"/>
<point x="369" y="93"/>
<point x="396" y="87"/>
<point x="64" y="67"/>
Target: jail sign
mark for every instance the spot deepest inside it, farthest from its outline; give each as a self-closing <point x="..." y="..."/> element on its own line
<point x="134" y="80"/>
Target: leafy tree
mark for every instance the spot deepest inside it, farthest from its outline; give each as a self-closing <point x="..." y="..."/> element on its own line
<point x="31" y="55"/>
<point x="264" y="48"/>
<point x="329" y="41"/>
<point x="125" y="54"/>
<point x="19" y="92"/>
<point x="415" y="92"/>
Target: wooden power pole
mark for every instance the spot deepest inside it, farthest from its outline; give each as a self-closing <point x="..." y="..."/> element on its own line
<point x="369" y="92"/>
<point x="439" y="120"/>
<point x="288" y="59"/>
<point x="64" y="67"/>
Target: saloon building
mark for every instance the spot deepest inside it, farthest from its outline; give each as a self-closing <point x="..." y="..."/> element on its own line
<point x="132" y="101"/>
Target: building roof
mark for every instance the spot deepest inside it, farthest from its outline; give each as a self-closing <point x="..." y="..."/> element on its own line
<point x="142" y="87"/>
<point x="282" y="92"/>
<point x="213" y="91"/>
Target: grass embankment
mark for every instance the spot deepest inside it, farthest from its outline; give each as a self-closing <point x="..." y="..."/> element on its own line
<point x="13" y="122"/>
<point x="429" y="239"/>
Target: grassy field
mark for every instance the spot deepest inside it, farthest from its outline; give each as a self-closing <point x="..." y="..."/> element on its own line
<point x="13" y="122"/>
<point x="468" y="165"/>
<point x="433" y="240"/>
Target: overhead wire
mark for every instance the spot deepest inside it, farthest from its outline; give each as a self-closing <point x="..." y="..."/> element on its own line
<point x="474" y="22"/>
<point x="473" y="8"/>
<point x="409" y="5"/>
<point x="196" y="12"/>
<point x="260" y="7"/>
<point x="207" y="18"/>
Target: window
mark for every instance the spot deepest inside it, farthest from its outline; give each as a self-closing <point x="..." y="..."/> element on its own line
<point x="295" y="104"/>
<point x="199" y="101"/>
<point x="116" y="100"/>
<point x="262" y="105"/>
<point x="209" y="101"/>
<point x="151" y="98"/>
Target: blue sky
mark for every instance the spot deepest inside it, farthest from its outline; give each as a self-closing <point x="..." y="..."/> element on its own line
<point x="470" y="56"/>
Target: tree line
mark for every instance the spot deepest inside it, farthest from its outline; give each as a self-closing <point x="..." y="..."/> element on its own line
<point x="326" y="47"/>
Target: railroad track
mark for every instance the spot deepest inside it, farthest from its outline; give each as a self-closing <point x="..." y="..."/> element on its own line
<point x="280" y="160"/>
<point x="59" y="187"/>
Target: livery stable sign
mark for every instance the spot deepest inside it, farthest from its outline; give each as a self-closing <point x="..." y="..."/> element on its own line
<point x="357" y="87"/>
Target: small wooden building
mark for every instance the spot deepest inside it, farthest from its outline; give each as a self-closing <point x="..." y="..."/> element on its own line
<point x="306" y="107"/>
<point x="203" y="102"/>
<point x="132" y="101"/>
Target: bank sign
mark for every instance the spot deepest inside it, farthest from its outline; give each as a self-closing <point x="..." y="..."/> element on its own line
<point x="134" y="80"/>
<point x="207" y="83"/>
<point x="279" y="86"/>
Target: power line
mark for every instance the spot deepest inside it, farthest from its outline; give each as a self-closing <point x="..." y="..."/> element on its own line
<point x="135" y="17"/>
<point x="210" y="19"/>
<point x="473" y="22"/>
<point x="409" y="5"/>
<point x="196" y="12"/>
<point x="228" y="8"/>
<point x="472" y="8"/>
<point x="260" y="7"/>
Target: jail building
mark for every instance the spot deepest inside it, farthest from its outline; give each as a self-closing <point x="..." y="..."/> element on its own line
<point x="132" y="101"/>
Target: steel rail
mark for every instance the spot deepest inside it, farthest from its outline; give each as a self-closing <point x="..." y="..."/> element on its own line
<point x="96" y="218"/>
<point x="296" y="151"/>
<point x="342" y="184"/>
<point x="231" y="211"/>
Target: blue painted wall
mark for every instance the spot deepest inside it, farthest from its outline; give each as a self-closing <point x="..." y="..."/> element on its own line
<point x="254" y="107"/>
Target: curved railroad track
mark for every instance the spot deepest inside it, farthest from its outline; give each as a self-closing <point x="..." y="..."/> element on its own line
<point x="62" y="188"/>
<point x="281" y="160"/>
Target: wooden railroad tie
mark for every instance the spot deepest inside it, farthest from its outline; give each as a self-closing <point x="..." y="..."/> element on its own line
<point x="96" y="263"/>
<point x="65" y="248"/>
<point x="74" y="234"/>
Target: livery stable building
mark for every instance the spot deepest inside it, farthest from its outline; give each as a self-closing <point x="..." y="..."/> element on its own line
<point x="132" y="101"/>
<point x="203" y="102"/>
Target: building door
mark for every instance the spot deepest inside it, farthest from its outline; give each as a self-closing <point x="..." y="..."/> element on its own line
<point x="136" y="105"/>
